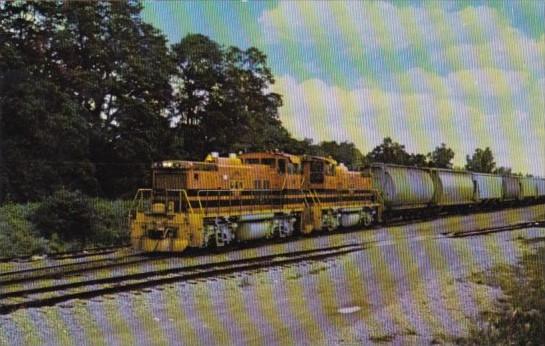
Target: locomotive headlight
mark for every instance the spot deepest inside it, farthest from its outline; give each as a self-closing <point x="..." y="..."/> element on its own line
<point x="167" y="164"/>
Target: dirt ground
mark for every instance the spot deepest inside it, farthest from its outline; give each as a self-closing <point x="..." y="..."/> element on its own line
<point x="409" y="286"/>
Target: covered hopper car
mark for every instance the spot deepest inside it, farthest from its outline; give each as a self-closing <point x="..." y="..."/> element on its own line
<point x="488" y="187"/>
<point x="452" y="188"/>
<point x="403" y="188"/>
<point x="408" y="190"/>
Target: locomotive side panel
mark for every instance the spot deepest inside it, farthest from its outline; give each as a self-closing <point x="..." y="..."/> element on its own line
<point x="338" y="197"/>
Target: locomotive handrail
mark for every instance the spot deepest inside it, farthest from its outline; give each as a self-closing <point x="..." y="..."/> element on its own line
<point x="138" y="199"/>
<point x="136" y="203"/>
<point x="186" y="196"/>
<point x="309" y="193"/>
<point x="317" y="198"/>
<point x="305" y="197"/>
<point x="189" y="202"/>
<point x="284" y="183"/>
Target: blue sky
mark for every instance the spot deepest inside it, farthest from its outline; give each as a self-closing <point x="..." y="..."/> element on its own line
<point x="470" y="74"/>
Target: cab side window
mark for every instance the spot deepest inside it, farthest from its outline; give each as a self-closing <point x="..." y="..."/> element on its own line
<point x="291" y="168"/>
<point x="269" y="162"/>
<point x="252" y="161"/>
<point x="282" y="166"/>
<point x="316" y="172"/>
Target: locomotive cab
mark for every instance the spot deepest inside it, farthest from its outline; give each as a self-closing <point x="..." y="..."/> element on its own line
<point x="319" y="173"/>
<point x="286" y="170"/>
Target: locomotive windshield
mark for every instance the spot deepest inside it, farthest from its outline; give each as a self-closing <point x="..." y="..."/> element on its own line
<point x="171" y="180"/>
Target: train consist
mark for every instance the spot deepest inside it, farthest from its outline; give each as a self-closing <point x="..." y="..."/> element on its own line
<point x="414" y="191"/>
<point x="234" y="199"/>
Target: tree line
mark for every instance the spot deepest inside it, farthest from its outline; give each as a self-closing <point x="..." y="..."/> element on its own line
<point x="482" y="160"/>
<point x="90" y="95"/>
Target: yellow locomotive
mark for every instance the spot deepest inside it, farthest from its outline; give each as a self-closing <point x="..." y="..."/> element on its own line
<point x="232" y="199"/>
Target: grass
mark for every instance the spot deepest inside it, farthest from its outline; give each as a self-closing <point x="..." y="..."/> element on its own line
<point x="520" y="315"/>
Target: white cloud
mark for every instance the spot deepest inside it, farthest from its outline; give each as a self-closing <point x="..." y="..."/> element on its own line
<point x="421" y="120"/>
<point x="471" y="37"/>
<point x="480" y="82"/>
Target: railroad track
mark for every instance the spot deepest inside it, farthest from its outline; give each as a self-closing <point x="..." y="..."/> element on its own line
<point x="488" y="230"/>
<point x="60" y="270"/>
<point x="86" y="289"/>
<point x="44" y="293"/>
<point x="67" y="255"/>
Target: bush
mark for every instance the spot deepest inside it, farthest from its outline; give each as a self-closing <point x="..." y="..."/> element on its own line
<point x="18" y="235"/>
<point x="65" y="221"/>
<point x="66" y="214"/>
<point x="110" y="226"/>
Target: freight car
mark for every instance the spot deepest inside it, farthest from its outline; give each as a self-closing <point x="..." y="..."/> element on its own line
<point x="234" y="199"/>
<point x="452" y="188"/>
<point x="540" y="184"/>
<point x="404" y="190"/>
<point x="419" y="191"/>
<point x="488" y="188"/>
<point x="247" y="197"/>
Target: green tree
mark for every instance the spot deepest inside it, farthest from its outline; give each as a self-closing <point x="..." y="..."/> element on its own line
<point x="66" y="215"/>
<point x="441" y="157"/>
<point x="222" y="100"/>
<point x="44" y="140"/>
<point x="419" y="160"/>
<point x="300" y="147"/>
<point x="344" y="152"/>
<point x="503" y="171"/>
<point x="481" y="161"/>
<point x="107" y="67"/>
<point x="389" y="152"/>
<point x="119" y="69"/>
